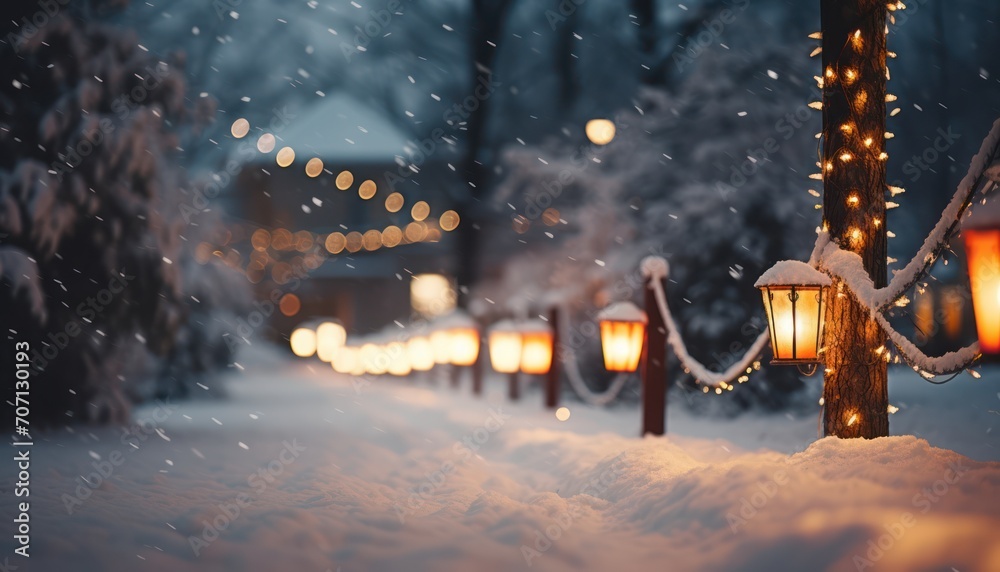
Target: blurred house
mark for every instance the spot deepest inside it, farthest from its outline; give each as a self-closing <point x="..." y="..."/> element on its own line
<point x="348" y="193"/>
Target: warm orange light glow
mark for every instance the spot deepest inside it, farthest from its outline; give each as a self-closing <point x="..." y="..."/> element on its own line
<point x="399" y="359"/>
<point x="623" y="331"/>
<point x="240" y="128"/>
<point x="505" y="347"/>
<point x="421" y="353"/>
<point x="314" y="167"/>
<point x="346" y="360"/>
<point x="285" y="157"/>
<point x="536" y="348"/>
<point x="330" y="337"/>
<point x="464" y="345"/>
<point x="344" y="180"/>
<point x="303" y="342"/>
<point x="441" y="346"/>
<point x="796" y="317"/>
<point x="982" y="249"/>
<point x="600" y="131"/>
<point x="290" y="304"/>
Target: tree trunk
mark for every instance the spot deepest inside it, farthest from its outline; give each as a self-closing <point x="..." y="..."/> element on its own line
<point x="855" y="389"/>
<point x="488" y="19"/>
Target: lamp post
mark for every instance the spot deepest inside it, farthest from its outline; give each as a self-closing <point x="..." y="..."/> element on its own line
<point x="795" y="297"/>
<point x="552" y="378"/>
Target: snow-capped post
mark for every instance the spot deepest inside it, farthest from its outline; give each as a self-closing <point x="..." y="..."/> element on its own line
<point x="654" y="366"/>
<point x="552" y="378"/>
<point x="981" y="234"/>
<point x="477" y="374"/>
<point x="855" y="391"/>
<point x="513" y="386"/>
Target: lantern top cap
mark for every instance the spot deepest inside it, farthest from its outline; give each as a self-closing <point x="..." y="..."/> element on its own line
<point x="456" y="319"/>
<point x="622" y="312"/>
<point x="792" y="273"/>
<point x="654" y="267"/>
<point x="983" y="217"/>
<point x="534" y="326"/>
<point x="505" y="326"/>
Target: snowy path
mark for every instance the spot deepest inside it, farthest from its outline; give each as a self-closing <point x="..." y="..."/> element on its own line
<point x="300" y="472"/>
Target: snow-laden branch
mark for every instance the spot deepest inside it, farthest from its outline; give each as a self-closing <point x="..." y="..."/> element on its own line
<point x="693" y="366"/>
<point x="832" y="258"/>
<point x="568" y="358"/>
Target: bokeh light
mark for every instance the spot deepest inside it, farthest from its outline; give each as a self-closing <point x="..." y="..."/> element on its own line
<point x="420" y="211"/>
<point x="285" y="157"/>
<point x="448" y="221"/>
<point x="344" y="180"/>
<point x="240" y="128"/>
<point x="394" y="202"/>
<point x="266" y="142"/>
<point x="367" y="189"/>
<point x="314" y="167"/>
<point x="290" y="304"/>
<point x="335" y="243"/>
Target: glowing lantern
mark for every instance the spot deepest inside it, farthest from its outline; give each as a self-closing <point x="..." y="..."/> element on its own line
<point x="441" y="346"/>
<point x="374" y="359"/>
<point x="346" y="360"/>
<point x="623" y="330"/>
<point x="421" y="353"/>
<point x="330" y="336"/>
<point x="463" y="335"/>
<point x="982" y="249"/>
<point x="795" y="300"/>
<point x="600" y="131"/>
<point x="398" y="358"/>
<point x="505" y="347"/>
<point x="536" y="347"/>
<point x="303" y="342"/>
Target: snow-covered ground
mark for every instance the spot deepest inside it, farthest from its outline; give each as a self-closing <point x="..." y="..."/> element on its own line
<point x="302" y="470"/>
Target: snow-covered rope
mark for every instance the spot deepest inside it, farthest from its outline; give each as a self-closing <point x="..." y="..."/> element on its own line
<point x="949" y="363"/>
<point x="568" y="359"/>
<point x="655" y="269"/>
<point x="832" y="258"/>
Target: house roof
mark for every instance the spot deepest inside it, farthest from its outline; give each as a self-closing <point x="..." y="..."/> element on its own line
<point x="342" y="129"/>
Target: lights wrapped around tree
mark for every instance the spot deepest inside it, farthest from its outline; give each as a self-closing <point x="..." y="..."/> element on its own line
<point x="505" y="345"/>
<point x="794" y="296"/>
<point x="981" y="234"/>
<point x="623" y="331"/>
<point x="536" y="347"/>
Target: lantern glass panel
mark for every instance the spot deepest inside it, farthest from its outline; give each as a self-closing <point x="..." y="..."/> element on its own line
<point x="505" y="351"/>
<point x="796" y="318"/>
<point x="982" y="248"/>
<point x="536" y="353"/>
<point x="464" y="346"/>
<point x="621" y="343"/>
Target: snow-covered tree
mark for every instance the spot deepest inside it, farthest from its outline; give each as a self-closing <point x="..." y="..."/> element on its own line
<point x="91" y="233"/>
